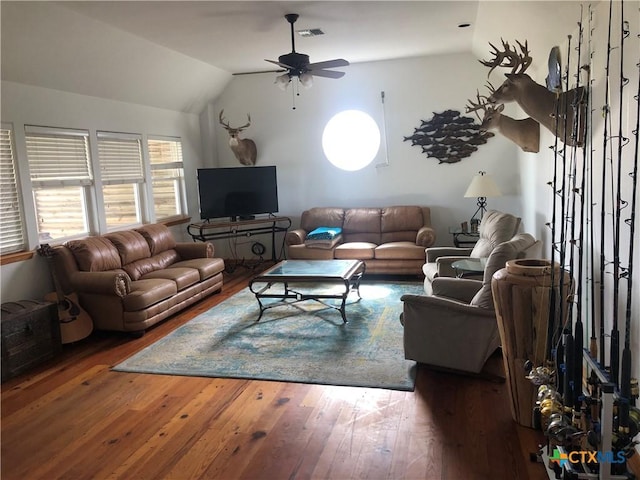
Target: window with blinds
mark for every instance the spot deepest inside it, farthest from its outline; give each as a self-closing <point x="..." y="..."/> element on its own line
<point x="61" y="178"/>
<point x="167" y="174"/>
<point x="122" y="175"/>
<point x="12" y="238"/>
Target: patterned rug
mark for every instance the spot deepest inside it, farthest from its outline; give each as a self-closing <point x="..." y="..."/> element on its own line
<point x="305" y="343"/>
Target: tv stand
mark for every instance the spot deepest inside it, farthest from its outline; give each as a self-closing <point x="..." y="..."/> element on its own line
<point x="222" y="229"/>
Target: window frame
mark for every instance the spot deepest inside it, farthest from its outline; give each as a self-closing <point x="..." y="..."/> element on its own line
<point x="78" y="176"/>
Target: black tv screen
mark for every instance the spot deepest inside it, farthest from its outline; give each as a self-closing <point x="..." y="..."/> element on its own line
<point x="237" y="191"/>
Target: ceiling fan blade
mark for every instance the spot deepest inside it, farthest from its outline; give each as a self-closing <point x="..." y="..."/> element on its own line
<point x="338" y="62"/>
<point x="327" y="73"/>
<point x="260" y="71"/>
<point x="288" y="67"/>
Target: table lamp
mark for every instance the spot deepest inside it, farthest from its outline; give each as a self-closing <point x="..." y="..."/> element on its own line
<point x="481" y="186"/>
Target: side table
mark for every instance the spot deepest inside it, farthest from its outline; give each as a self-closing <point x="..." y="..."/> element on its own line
<point x="469" y="267"/>
<point x="462" y="238"/>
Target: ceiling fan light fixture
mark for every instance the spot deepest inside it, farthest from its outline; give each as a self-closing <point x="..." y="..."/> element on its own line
<point x="306" y="79"/>
<point x="283" y="81"/>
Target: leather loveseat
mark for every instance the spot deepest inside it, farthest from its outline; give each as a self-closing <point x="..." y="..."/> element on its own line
<point x="390" y="240"/>
<point x="132" y="279"/>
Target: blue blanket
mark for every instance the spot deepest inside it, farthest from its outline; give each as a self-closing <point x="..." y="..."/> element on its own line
<point x="324" y="233"/>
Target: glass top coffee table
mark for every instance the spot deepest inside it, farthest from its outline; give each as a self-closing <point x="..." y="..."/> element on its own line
<point x="322" y="275"/>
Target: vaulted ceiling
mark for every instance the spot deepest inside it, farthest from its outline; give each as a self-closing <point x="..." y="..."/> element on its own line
<point x="181" y="54"/>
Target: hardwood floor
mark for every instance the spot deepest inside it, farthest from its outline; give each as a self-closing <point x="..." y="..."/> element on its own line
<point x="75" y="418"/>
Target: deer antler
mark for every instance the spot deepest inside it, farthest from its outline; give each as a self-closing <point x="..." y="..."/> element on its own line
<point x="221" y="118"/>
<point x="226" y="124"/>
<point x="481" y="104"/>
<point x="246" y="124"/>
<point x="509" y="57"/>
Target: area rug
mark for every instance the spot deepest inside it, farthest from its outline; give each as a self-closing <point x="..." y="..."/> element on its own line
<point x="304" y="343"/>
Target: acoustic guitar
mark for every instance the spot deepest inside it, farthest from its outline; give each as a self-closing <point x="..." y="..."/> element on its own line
<point x="75" y="323"/>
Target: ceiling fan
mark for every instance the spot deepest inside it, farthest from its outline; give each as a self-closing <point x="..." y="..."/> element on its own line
<point x="297" y="65"/>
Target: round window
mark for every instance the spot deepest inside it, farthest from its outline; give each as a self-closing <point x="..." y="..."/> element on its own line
<point x="351" y="140"/>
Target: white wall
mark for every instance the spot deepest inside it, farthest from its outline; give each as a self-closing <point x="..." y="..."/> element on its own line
<point x="23" y="104"/>
<point x="414" y="89"/>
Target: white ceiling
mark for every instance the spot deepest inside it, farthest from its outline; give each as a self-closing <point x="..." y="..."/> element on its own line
<point x="181" y="54"/>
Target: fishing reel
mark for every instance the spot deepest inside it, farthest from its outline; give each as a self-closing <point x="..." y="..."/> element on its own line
<point x="562" y="431"/>
<point x="542" y="375"/>
<point x="548" y="403"/>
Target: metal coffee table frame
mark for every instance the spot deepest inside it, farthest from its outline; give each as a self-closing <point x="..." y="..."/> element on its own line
<point x="345" y="272"/>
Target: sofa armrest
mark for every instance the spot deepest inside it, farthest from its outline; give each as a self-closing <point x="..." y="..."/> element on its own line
<point x="426" y="237"/>
<point x="104" y="283"/>
<point x="434" y="253"/>
<point x="191" y="250"/>
<point x="459" y="289"/>
<point x="295" y="237"/>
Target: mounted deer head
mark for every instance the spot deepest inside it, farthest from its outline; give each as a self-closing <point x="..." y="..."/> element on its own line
<point x="243" y="148"/>
<point x="556" y="112"/>
<point x="525" y="133"/>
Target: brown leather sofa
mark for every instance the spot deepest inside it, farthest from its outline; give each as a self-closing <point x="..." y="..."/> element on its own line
<point x="130" y="280"/>
<point x="390" y="240"/>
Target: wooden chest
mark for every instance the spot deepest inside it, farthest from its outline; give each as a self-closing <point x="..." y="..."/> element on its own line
<point x="30" y="334"/>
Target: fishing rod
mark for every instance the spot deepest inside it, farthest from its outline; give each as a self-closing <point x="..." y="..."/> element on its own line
<point x="615" y="332"/>
<point x="625" y="380"/>
<point x="569" y="344"/>
<point x="554" y="326"/>
<point x="593" y="341"/>
<point x="605" y="138"/>
<point x="578" y="333"/>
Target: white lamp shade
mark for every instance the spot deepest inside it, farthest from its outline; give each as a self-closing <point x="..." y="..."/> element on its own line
<point x="306" y="79"/>
<point x="283" y="81"/>
<point x="482" y="186"/>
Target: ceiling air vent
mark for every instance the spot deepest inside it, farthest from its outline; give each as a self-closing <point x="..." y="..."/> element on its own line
<point x="310" y="32"/>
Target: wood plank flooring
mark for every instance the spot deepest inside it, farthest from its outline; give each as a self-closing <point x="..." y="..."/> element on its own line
<point x="74" y="418"/>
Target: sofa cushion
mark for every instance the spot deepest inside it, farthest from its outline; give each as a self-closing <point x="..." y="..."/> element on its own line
<point x="399" y="250"/>
<point x="321" y="217"/>
<point x="143" y="266"/>
<point x="497" y="260"/>
<point x="362" y="220"/>
<point x="355" y="251"/>
<point x="145" y="293"/>
<point x="158" y="237"/>
<point x="399" y="219"/>
<point x="182" y="276"/>
<point x="95" y="254"/>
<point x="130" y="244"/>
<point x="206" y="267"/>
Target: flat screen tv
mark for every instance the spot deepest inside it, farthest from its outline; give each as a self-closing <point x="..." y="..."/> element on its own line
<point x="237" y="192"/>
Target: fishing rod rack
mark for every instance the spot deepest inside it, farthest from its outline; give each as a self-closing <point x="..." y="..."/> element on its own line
<point x="587" y="407"/>
<point x="552" y="455"/>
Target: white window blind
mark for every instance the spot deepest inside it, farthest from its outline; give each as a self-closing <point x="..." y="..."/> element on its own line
<point x="58" y="157"/>
<point x="12" y="237"/>
<point x="120" y="158"/>
<point x="61" y="175"/>
<point x="165" y="157"/>
<point x="121" y="171"/>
